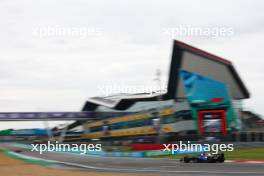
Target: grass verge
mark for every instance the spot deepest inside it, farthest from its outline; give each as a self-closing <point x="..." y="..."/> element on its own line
<point x="246" y="154"/>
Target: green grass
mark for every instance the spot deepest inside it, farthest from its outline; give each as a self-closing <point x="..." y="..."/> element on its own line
<point x="249" y="153"/>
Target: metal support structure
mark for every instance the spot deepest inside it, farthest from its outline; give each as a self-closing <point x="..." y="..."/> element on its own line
<point x="57" y="116"/>
<point x="63" y="133"/>
<point x="49" y="131"/>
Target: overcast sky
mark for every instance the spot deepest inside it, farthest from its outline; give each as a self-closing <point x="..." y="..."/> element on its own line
<point x="120" y="42"/>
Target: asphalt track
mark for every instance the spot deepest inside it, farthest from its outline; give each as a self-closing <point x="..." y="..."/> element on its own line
<point x="164" y="167"/>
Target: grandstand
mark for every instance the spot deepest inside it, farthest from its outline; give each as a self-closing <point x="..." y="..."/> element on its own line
<point x="252" y="121"/>
<point x="182" y="109"/>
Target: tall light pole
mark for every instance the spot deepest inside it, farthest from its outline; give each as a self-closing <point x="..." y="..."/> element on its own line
<point x="159" y="99"/>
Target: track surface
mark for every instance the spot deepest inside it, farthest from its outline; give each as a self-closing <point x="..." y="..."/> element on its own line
<point x="164" y="167"/>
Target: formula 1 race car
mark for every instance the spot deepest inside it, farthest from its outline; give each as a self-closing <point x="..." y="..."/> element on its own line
<point x="204" y="158"/>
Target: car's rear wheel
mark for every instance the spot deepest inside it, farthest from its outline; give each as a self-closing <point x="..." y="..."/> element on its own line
<point x="186" y="159"/>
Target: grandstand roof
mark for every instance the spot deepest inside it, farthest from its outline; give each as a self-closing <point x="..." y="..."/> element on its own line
<point x="183" y="57"/>
<point x="119" y="101"/>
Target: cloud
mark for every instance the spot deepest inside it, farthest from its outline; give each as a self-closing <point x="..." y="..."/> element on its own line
<point x="60" y="72"/>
